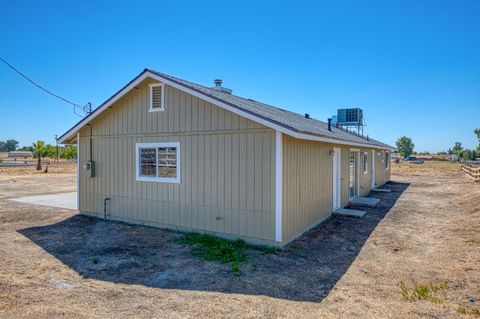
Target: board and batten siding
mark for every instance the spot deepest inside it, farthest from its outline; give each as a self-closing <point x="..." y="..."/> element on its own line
<point x="382" y="175"/>
<point x="308" y="182"/>
<point x="227" y="179"/>
<point x="307" y="185"/>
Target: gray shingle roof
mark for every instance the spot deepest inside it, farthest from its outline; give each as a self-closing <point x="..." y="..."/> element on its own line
<point x="293" y="121"/>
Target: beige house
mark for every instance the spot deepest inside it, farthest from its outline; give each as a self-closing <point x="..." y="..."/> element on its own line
<point x="170" y="153"/>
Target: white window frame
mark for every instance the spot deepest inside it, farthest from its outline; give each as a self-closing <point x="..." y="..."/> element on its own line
<point x="387" y="159"/>
<point x="156" y="179"/>
<point x="365" y="160"/>
<point x="157" y="109"/>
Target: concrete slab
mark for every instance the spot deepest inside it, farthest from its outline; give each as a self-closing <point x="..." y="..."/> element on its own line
<point x="364" y="201"/>
<point x="382" y="190"/>
<point x="349" y="212"/>
<point x="61" y="200"/>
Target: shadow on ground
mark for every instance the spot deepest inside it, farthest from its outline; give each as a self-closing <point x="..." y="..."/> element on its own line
<point x="117" y="252"/>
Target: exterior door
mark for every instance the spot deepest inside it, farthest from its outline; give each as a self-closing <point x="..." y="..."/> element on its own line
<point x="337" y="178"/>
<point x="372" y="171"/>
<point x="353" y="174"/>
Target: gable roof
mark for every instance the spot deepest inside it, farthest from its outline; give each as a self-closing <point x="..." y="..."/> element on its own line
<point x="287" y="122"/>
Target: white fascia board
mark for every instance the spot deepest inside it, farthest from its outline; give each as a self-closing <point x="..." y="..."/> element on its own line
<point x="214" y="101"/>
<point x="114" y="99"/>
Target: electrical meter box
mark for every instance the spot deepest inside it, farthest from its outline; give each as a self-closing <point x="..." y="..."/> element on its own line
<point x="89" y="168"/>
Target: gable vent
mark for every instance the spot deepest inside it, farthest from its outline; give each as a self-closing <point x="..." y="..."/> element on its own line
<point x="157" y="97"/>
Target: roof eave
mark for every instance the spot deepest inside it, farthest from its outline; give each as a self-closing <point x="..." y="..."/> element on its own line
<point x="71" y="134"/>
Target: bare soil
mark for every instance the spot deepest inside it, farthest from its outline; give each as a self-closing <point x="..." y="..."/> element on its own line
<point x="56" y="263"/>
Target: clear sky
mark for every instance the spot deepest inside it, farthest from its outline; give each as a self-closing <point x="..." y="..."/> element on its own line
<point x="413" y="66"/>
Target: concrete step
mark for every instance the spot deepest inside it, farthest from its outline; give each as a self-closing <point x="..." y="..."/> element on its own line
<point x="349" y="212"/>
<point x="382" y="190"/>
<point x="364" y="201"/>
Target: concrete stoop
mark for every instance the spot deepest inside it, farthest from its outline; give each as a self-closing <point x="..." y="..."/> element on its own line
<point x="364" y="201"/>
<point x="349" y="212"/>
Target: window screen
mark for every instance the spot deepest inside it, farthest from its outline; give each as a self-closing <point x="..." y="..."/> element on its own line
<point x="158" y="162"/>
<point x="167" y="162"/>
<point x="147" y="162"/>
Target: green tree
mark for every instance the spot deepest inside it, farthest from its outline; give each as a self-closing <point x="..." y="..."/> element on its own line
<point x="405" y="146"/>
<point x="68" y="152"/>
<point x="8" y="146"/>
<point x="467" y="155"/>
<point x="39" y="150"/>
<point x="457" y="148"/>
<point x="477" y="133"/>
<point x="50" y="151"/>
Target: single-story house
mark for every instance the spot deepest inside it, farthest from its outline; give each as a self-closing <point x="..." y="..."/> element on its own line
<point x="170" y="153"/>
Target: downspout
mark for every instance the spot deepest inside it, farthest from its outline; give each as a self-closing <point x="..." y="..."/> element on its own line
<point x="91" y="144"/>
<point x="78" y="171"/>
<point x="105" y="207"/>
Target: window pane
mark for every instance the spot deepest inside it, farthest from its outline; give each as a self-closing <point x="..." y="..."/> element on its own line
<point x="167" y="162"/>
<point x="147" y="162"/>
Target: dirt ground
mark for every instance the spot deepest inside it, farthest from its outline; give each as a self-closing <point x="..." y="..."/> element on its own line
<point x="56" y="263"/>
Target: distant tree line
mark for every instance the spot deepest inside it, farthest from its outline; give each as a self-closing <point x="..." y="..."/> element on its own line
<point x="50" y="151"/>
<point x="45" y="150"/>
<point x="405" y="147"/>
<point x="8" y="146"/>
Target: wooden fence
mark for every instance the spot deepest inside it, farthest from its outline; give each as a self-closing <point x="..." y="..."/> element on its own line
<point x="472" y="171"/>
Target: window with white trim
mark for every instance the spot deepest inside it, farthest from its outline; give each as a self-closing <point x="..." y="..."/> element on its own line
<point x="365" y="162"/>
<point x="157" y="97"/>
<point x="158" y="162"/>
<point x="387" y="160"/>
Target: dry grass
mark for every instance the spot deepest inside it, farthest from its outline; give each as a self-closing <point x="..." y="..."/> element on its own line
<point x="429" y="241"/>
<point x="406" y="168"/>
<point x="62" y="167"/>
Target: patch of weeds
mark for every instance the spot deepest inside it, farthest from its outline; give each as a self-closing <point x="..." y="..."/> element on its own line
<point x="95" y="260"/>
<point x="469" y="311"/>
<point x="422" y="292"/>
<point x="235" y="269"/>
<point x="294" y="247"/>
<point x="233" y="252"/>
<point x="462" y="310"/>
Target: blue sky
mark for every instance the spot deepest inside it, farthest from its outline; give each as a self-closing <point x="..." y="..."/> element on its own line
<point x="413" y="66"/>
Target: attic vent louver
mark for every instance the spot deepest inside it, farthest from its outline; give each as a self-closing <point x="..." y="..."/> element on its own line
<point x="157" y="97"/>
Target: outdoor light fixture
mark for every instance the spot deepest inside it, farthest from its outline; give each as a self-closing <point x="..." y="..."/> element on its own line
<point x="330" y="154"/>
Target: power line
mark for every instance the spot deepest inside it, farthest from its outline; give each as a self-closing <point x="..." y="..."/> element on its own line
<point x="85" y="108"/>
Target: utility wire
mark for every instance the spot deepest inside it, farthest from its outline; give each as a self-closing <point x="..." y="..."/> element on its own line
<point x="85" y="108"/>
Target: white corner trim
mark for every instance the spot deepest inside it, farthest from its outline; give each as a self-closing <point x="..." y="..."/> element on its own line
<point x="372" y="172"/>
<point x="278" y="185"/>
<point x="78" y="171"/>
<point x="207" y="98"/>
<point x="150" y="107"/>
<point x="157" y="179"/>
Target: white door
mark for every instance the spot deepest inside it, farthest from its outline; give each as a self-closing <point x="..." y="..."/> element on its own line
<point x="337" y="178"/>
<point x="372" y="171"/>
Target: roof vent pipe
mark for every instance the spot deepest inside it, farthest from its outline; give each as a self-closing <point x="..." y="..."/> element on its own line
<point x="330" y="124"/>
<point x="307" y="116"/>
<point x="218" y="87"/>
